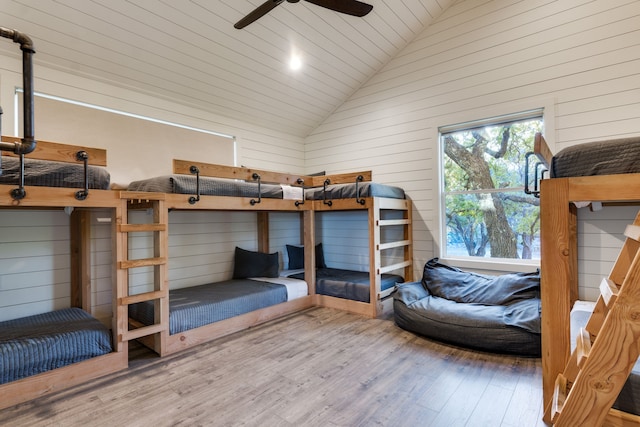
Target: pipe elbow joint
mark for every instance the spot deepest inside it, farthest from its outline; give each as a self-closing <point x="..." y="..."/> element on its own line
<point x="26" y="146"/>
<point x="26" y="44"/>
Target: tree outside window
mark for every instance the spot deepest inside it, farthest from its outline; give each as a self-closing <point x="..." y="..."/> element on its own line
<point x="486" y="212"/>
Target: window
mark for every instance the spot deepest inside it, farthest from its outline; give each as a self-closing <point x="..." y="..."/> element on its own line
<point x="484" y="210"/>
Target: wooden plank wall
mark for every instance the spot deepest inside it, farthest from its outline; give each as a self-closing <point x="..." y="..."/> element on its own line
<point x="482" y="58"/>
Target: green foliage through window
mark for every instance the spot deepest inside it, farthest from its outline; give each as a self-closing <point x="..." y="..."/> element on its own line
<point x="487" y="213"/>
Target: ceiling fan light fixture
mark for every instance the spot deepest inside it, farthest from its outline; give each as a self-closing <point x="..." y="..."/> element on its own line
<point x="349" y="7"/>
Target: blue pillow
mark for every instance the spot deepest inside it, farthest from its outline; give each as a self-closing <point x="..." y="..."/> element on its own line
<point x="296" y="257"/>
<point x="254" y="264"/>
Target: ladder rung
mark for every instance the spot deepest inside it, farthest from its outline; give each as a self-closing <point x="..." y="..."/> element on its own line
<point x="583" y="347"/>
<point x="147" y="296"/>
<point x="559" y="396"/>
<point x="633" y="232"/>
<point x="143" y="332"/>
<point x="609" y="291"/>
<point x="390" y="245"/>
<point x="142" y="262"/>
<point x="392" y="267"/>
<point x="130" y="228"/>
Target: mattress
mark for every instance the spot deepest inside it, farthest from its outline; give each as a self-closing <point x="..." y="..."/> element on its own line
<point x="52" y="174"/>
<point x="36" y="344"/>
<point x="597" y="158"/>
<point x="348" y="284"/>
<point x="627" y="400"/>
<point x="348" y="191"/>
<point x="186" y="184"/>
<point x="196" y="306"/>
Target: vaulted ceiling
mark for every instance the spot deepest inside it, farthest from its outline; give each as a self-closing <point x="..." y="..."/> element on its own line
<point x="188" y="51"/>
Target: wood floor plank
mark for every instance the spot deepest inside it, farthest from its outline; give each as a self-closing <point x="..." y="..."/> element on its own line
<point x="320" y="367"/>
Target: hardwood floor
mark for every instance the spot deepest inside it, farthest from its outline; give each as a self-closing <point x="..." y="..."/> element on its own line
<point x="321" y="367"/>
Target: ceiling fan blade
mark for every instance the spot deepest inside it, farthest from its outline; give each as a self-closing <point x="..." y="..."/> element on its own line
<point x="257" y="13"/>
<point x="350" y="7"/>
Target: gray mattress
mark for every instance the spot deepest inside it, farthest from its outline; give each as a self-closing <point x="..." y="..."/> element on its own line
<point x="629" y="397"/>
<point x="348" y="284"/>
<point x="52" y="174"/>
<point x="186" y="184"/>
<point x="348" y="191"/>
<point x="196" y="306"/>
<point x="36" y="344"/>
<point x="598" y="158"/>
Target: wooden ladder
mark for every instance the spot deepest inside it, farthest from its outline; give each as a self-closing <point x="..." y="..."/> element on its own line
<point x="160" y="293"/>
<point x="606" y="349"/>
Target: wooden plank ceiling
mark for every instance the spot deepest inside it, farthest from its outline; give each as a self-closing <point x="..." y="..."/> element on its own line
<point x="188" y="51"/>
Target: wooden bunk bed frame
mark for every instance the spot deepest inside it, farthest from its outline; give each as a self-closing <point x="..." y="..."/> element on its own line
<point x="157" y="336"/>
<point x="559" y="264"/>
<point x="48" y="197"/>
<point x="379" y="300"/>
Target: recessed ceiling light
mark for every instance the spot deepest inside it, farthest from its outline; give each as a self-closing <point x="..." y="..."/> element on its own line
<point x="295" y="62"/>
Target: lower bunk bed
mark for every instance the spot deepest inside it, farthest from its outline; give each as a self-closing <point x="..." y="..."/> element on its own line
<point x="58" y="349"/>
<point x="197" y="314"/>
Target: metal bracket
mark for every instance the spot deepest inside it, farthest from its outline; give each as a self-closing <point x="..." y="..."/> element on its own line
<point x="360" y="200"/>
<point x="84" y="157"/>
<point x="194" y="170"/>
<point x="324" y="193"/>
<point x="256" y="177"/>
<point x="300" y="181"/>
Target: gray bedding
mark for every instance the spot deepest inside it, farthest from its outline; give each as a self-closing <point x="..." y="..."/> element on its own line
<point x="348" y="191"/>
<point x="348" y="284"/>
<point x="628" y="400"/>
<point x="196" y="306"/>
<point x="52" y="174"/>
<point x="598" y="158"/>
<point x="36" y="344"/>
<point x="186" y="184"/>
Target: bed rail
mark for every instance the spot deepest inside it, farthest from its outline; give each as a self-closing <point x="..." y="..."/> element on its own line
<point x="53" y="151"/>
<point x="233" y="172"/>
<point x="542" y="151"/>
<point x="345" y="178"/>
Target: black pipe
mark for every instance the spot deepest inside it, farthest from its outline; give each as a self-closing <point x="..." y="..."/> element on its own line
<point x="28" y="143"/>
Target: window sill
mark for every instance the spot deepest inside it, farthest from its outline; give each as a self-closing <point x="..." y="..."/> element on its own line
<point x="493" y="265"/>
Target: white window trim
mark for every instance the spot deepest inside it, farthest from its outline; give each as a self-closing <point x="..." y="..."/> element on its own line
<point x="508" y="109"/>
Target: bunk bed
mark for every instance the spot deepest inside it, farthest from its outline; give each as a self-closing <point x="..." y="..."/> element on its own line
<point x="367" y="293"/>
<point x="599" y="172"/>
<point x="59" y="176"/>
<point x="168" y="321"/>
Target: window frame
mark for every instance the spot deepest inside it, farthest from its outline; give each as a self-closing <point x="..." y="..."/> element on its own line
<point x="471" y="119"/>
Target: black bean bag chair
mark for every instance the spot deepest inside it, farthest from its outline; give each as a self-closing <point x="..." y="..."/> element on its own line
<point x="498" y="314"/>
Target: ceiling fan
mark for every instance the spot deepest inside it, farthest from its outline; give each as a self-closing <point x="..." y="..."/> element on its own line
<point x="350" y="7"/>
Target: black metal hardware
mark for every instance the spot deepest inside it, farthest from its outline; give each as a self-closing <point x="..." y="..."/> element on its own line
<point x="28" y="143"/>
<point x="84" y="157"/>
<point x="538" y="172"/>
<point x="300" y="181"/>
<point x="20" y="193"/>
<point x="256" y="177"/>
<point x="324" y="193"/>
<point x="360" y="200"/>
<point x="194" y="170"/>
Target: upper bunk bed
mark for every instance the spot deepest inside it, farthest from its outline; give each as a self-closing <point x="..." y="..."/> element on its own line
<point x="59" y="176"/>
<point x="388" y="214"/>
<point x="164" y="319"/>
<point x="595" y="172"/>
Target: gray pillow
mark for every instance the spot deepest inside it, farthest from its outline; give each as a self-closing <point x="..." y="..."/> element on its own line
<point x="254" y="264"/>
